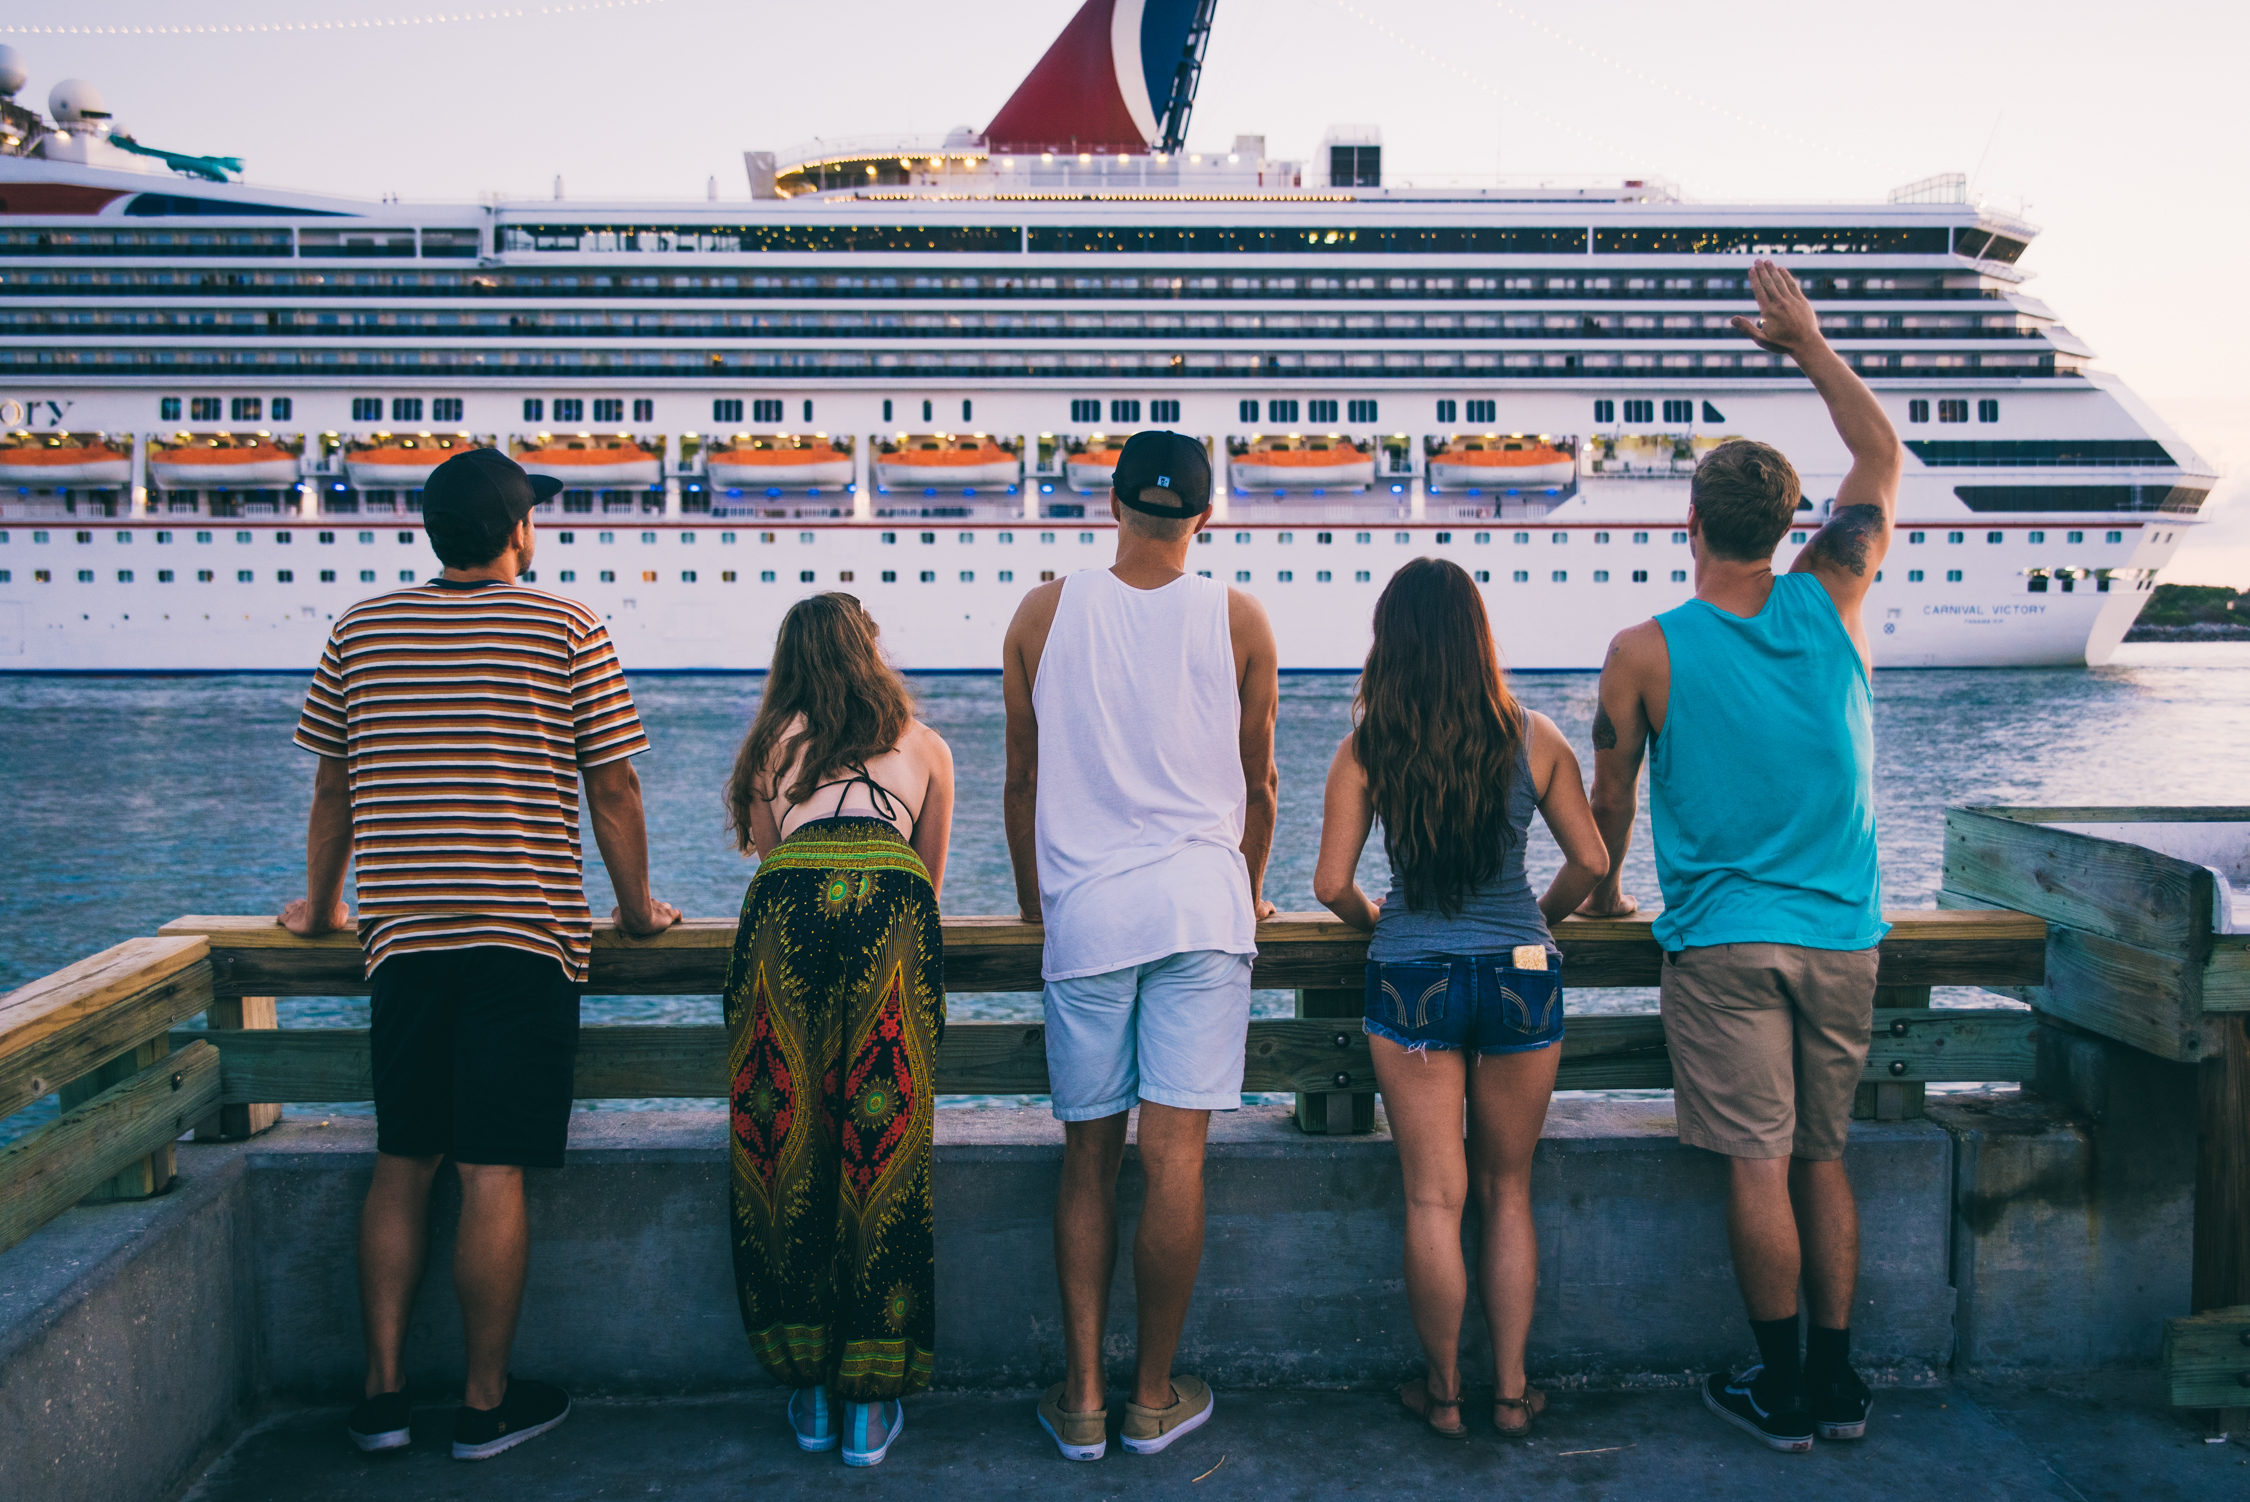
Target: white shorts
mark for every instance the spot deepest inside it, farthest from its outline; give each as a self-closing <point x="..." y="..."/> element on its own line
<point x="1171" y="1031"/>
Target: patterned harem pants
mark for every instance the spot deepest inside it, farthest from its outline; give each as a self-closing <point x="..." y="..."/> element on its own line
<point x="835" y="999"/>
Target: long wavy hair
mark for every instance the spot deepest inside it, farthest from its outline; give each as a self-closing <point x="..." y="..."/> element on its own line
<point x="828" y="668"/>
<point x="1438" y="734"/>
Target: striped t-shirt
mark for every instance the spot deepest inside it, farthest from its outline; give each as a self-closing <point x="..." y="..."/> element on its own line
<point x="465" y="713"/>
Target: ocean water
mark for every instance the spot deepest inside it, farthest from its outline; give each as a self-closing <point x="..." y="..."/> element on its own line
<point x="130" y="801"/>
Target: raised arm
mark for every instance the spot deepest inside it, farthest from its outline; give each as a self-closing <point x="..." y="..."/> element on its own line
<point x="1019" y="798"/>
<point x="1846" y="552"/>
<point x="1257" y="663"/>
<point x="1562" y="805"/>
<point x="1621" y="732"/>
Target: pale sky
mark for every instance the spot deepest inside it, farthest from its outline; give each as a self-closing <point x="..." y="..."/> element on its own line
<point x="2118" y="132"/>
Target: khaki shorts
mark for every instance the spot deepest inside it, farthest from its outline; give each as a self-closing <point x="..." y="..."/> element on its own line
<point x="1767" y="1043"/>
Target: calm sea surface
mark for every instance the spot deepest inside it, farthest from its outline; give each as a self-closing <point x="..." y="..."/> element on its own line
<point x="129" y="801"/>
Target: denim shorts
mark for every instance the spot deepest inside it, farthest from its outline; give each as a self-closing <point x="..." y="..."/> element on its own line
<point x="1477" y="1001"/>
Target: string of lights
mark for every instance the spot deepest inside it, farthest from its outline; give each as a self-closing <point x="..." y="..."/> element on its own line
<point x="369" y="23"/>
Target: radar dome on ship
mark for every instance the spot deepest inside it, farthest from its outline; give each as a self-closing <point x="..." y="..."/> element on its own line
<point x="74" y="100"/>
<point x="12" y="74"/>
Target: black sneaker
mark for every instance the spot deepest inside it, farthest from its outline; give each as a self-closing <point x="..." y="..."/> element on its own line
<point x="529" y="1409"/>
<point x="380" y="1422"/>
<point x="1839" y="1404"/>
<point x="1789" y="1429"/>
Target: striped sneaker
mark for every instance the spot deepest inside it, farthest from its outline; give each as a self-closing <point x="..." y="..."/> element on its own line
<point x="869" y="1429"/>
<point x="811" y="1419"/>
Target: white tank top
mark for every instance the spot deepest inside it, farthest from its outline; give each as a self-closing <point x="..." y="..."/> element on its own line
<point x="1141" y="796"/>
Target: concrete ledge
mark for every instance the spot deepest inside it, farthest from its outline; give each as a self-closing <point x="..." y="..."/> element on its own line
<point x="632" y="1285"/>
<point x="128" y="1341"/>
<point x="135" y="1340"/>
<point x="2073" y="1209"/>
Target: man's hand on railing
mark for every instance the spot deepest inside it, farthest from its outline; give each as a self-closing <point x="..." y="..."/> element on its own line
<point x="300" y="918"/>
<point x="645" y="923"/>
<point x="1265" y="910"/>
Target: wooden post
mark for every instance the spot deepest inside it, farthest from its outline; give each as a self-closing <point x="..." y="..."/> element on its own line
<point x="1336" y="1112"/>
<point x="229" y="1013"/>
<point x="145" y="1176"/>
<point x="2222" y="1183"/>
<point x="1883" y="1101"/>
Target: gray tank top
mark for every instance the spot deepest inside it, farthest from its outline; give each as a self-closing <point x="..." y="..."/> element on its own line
<point x="1496" y="916"/>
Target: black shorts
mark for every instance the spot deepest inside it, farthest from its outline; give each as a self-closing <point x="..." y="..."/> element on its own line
<point x="474" y="1055"/>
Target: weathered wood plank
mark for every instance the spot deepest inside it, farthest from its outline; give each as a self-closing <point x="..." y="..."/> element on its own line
<point x="1297" y="951"/>
<point x="2119" y="891"/>
<point x="63" y="1025"/>
<point x="47" y="1171"/>
<point x="229" y="1014"/>
<point x="2226" y="975"/>
<point x="142" y="1177"/>
<point x="1620" y="1052"/>
<point x="2207" y="1358"/>
<point x="1315" y="1111"/>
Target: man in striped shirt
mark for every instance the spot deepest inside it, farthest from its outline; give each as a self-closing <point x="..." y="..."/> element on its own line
<point x="454" y="723"/>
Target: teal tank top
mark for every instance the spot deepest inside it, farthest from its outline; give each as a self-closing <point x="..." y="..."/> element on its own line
<point x="1762" y="784"/>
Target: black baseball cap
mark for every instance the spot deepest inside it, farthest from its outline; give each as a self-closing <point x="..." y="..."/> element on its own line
<point x="1158" y="460"/>
<point x="480" y="494"/>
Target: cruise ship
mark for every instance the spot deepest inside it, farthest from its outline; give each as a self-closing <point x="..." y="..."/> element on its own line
<point x="904" y="368"/>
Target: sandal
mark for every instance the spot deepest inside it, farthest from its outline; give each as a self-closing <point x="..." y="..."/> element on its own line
<point x="1415" y="1397"/>
<point x="1533" y="1403"/>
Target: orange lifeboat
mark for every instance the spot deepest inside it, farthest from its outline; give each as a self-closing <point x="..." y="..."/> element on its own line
<point x="390" y="463"/>
<point x="919" y="463"/>
<point x="1093" y="468"/>
<point x="584" y="463"/>
<point x="1313" y="463"/>
<point x="47" y="460"/>
<point x="221" y="459"/>
<point x="779" y="463"/>
<point x="1501" y="464"/>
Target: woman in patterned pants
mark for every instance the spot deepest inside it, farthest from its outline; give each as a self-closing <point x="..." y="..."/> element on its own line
<point x="835" y="1001"/>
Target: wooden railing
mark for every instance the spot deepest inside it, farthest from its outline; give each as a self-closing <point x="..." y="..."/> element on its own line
<point x="102" y="1031"/>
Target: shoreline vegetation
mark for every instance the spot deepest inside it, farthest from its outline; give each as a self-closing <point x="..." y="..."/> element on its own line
<point x="2193" y="612"/>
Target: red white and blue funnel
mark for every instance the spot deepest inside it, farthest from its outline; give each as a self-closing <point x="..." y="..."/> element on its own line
<point x="1120" y="78"/>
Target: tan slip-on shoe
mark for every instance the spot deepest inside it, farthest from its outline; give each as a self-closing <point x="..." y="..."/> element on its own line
<point x="1080" y="1436"/>
<point x="1148" y="1430"/>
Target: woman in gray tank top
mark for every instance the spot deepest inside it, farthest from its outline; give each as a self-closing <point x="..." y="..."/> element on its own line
<point x="1464" y="982"/>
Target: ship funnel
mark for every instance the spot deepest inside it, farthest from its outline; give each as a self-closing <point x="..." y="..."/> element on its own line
<point x="74" y="101"/>
<point x="1121" y="77"/>
<point x="12" y="74"/>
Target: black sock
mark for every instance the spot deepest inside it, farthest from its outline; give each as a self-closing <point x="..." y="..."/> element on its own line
<point x="1826" y="1351"/>
<point x="1783" y="1379"/>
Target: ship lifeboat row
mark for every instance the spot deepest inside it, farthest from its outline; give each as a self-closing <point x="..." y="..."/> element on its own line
<point x="1094" y="467"/>
<point x="387" y="463"/>
<point x="947" y="462"/>
<point x="1303" y="464"/>
<point x="222" y="460"/>
<point x="779" y="464"/>
<point x="1500" y="464"/>
<point x="588" y="463"/>
<point x="48" y="460"/>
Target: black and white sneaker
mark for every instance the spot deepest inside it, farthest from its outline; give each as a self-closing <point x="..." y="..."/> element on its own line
<point x="381" y="1422"/>
<point x="530" y="1409"/>
<point x="1839" y="1405"/>
<point x="1734" y="1399"/>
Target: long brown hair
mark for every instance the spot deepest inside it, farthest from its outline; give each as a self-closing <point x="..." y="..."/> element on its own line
<point x="826" y="667"/>
<point x="1437" y="733"/>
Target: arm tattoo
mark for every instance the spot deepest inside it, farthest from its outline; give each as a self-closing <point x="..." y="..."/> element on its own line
<point x="1605" y="733"/>
<point x="1845" y="539"/>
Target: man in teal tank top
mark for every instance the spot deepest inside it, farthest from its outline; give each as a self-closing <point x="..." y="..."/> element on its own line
<point x="1752" y="704"/>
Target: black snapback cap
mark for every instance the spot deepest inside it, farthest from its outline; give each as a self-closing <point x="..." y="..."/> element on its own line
<point x="482" y="493"/>
<point x="1160" y="460"/>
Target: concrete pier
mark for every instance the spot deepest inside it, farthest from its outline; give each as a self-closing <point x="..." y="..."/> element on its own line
<point x="137" y="1340"/>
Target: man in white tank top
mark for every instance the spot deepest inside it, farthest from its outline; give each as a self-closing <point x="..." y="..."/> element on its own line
<point x="1140" y="809"/>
